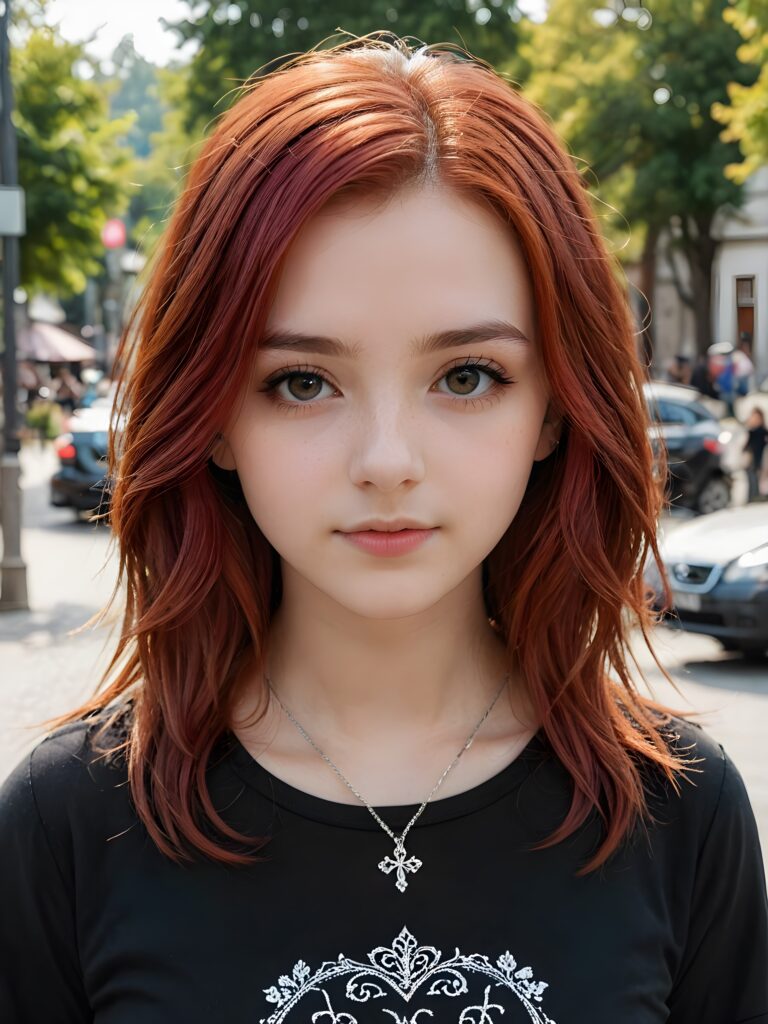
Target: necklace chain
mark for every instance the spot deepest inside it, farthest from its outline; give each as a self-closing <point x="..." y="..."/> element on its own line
<point x="400" y="863"/>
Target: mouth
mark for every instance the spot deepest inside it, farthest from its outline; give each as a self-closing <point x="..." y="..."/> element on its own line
<point x="389" y="543"/>
<point x="385" y="526"/>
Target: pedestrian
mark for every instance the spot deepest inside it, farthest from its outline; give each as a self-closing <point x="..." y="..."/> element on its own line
<point x="754" y="446"/>
<point x="725" y="384"/>
<point x="68" y="390"/>
<point x="369" y="747"/>
<point x="679" y="370"/>
<point x="743" y="368"/>
<point x="701" y="378"/>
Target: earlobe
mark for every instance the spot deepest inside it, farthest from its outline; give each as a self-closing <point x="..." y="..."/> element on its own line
<point x="549" y="439"/>
<point x="221" y="453"/>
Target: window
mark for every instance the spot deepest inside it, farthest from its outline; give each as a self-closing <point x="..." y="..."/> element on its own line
<point x="745" y="308"/>
<point x="676" y="413"/>
<point x="745" y="291"/>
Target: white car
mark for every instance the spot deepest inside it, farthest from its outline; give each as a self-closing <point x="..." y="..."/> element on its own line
<point x="717" y="566"/>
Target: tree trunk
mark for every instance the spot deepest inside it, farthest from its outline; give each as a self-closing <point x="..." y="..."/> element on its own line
<point x="700" y="248"/>
<point x="646" y="296"/>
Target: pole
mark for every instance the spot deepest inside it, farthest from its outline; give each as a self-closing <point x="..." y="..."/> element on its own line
<point x="13" y="570"/>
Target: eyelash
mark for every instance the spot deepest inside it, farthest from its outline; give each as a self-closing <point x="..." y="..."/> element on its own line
<point x="501" y="380"/>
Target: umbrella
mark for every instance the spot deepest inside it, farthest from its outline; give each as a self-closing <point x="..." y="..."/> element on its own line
<point x="47" y="343"/>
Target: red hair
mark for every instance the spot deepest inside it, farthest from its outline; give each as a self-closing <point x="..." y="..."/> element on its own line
<point x="564" y="585"/>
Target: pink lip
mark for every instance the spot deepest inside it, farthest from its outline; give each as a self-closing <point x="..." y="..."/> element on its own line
<point x="378" y="542"/>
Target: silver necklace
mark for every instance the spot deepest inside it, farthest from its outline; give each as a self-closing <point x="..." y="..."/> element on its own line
<point x="401" y="863"/>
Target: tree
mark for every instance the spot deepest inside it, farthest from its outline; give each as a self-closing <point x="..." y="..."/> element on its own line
<point x="632" y="95"/>
<point x="74" y="171"/>
<point x="746" y="117"/>
<point x="133" y="86"/>
<point x="240" y="38"/>
<point x="156" y="136"/>
<point x="159" y="176"/>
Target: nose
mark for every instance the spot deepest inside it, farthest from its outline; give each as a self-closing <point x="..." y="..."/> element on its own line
<point x="387" y="450"/>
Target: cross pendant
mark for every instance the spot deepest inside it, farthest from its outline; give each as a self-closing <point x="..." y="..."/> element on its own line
<point x="401" y="864"/>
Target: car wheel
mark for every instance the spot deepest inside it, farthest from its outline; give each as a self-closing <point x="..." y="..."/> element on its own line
<point x="714" y="495"/>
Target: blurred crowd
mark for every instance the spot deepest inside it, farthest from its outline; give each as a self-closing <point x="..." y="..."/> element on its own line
<point x="48" y="394"/>
<point x="727" y="373"/>
<point x="69" y="386"/>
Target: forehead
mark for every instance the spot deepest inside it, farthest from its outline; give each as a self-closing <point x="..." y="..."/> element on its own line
<point x="428" y="259"/>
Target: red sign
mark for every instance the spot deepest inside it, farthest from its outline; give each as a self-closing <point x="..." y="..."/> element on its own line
<point x="113" y="234"/>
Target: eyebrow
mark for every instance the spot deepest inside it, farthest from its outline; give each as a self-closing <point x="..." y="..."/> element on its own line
<point x="318" y="344"/>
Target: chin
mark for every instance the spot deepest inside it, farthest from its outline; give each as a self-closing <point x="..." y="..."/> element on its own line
<point x="386" y="609"/>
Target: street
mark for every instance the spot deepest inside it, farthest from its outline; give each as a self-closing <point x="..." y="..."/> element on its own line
<point x="71" y="571"/>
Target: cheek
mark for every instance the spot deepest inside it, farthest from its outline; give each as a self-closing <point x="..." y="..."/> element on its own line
<point x="492" y="453"/>
<point x="489" y="486"/>
<point x="281" y="478"/>
<point x="484" y="474"/>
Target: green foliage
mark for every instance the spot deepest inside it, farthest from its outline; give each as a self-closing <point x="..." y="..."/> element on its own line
<point x="746" y="117"/>
<point x="159" y="177"/>
<point x="46" y="417"/>
<point x="237" y="39"/>
<point x="632" y="94"/>
<point x="639" y="98"/>
<point x="73" y="169"/>
<point x="133" y="88"/>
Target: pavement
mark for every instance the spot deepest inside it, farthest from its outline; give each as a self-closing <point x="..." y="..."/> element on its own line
<point x="51" y="661"/>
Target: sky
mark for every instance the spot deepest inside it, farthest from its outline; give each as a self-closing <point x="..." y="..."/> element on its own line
<point x="78" y="19"/>
<point x="116" y="18"/>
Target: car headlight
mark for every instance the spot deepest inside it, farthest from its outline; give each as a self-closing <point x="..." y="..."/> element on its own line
<point x="751" y="566"/>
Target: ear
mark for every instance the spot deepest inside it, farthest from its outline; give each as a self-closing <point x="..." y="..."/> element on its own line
<point x="221" y="454"/>
<point x="549" y="436"/>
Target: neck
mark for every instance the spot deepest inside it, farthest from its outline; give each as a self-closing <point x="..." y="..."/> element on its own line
<point x="358" y="681"/>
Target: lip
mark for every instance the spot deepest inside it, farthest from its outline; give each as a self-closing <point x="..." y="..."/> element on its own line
<point x="389" y="543"/>
<point x="388" y="525"/>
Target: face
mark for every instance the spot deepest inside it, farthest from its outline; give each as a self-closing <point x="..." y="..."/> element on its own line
<point x="376" y="423"/>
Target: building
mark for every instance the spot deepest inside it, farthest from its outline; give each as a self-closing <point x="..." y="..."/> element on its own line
<point x="740" y="292"/>
<point x="739" y="286"/>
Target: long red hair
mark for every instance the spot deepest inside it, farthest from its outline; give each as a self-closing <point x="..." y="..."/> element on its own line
<point x="564" y="585"/>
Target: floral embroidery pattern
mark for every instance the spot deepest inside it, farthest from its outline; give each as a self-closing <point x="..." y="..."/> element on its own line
<point x="406" y="971"/>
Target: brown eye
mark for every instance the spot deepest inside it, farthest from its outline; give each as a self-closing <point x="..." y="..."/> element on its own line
<point x="296" y="386"/>
<point x="462" y="380"/>
<point x="304" y="385"/>
<point x="465" y="377"/>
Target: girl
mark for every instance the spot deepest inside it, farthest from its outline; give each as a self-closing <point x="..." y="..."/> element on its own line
<point x="383" y="499"/>
<point x="755" y="444"/>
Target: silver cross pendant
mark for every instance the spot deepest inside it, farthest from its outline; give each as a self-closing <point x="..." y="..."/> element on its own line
<point x="389" y="864"/>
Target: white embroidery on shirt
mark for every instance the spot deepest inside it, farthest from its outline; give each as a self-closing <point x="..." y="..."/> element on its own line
<point x="404" y="970"/>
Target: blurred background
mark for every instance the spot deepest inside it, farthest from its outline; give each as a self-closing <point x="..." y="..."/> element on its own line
<point x="663" y="106"/>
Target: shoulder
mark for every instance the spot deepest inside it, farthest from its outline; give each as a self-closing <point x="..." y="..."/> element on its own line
<point x="65" y="772"/>
<point x="69" y="751"/>
<point x="710" y="791"/>
<point x="694" y="742"/>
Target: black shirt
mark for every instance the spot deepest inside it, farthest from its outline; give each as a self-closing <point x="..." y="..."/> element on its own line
<point x="97" y="925"/>
<point x="756" y="442"/>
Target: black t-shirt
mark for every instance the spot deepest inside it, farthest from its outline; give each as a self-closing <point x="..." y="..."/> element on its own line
<point x="97" y="925"/>
<point x="756" y="442"/>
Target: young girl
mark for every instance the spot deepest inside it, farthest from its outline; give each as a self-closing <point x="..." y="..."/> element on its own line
<point x="755" y="444"/>
<point x="383" y="498"/>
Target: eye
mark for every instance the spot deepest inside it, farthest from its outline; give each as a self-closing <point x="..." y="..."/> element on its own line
<point x="303" y="383"/>
<point x="469" y="371"/>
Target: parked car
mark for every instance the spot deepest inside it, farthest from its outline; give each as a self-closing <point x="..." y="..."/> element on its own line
<point x="695" y="441"/>
<point x="80" y="482"/>
<point x="717" y="566"/>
